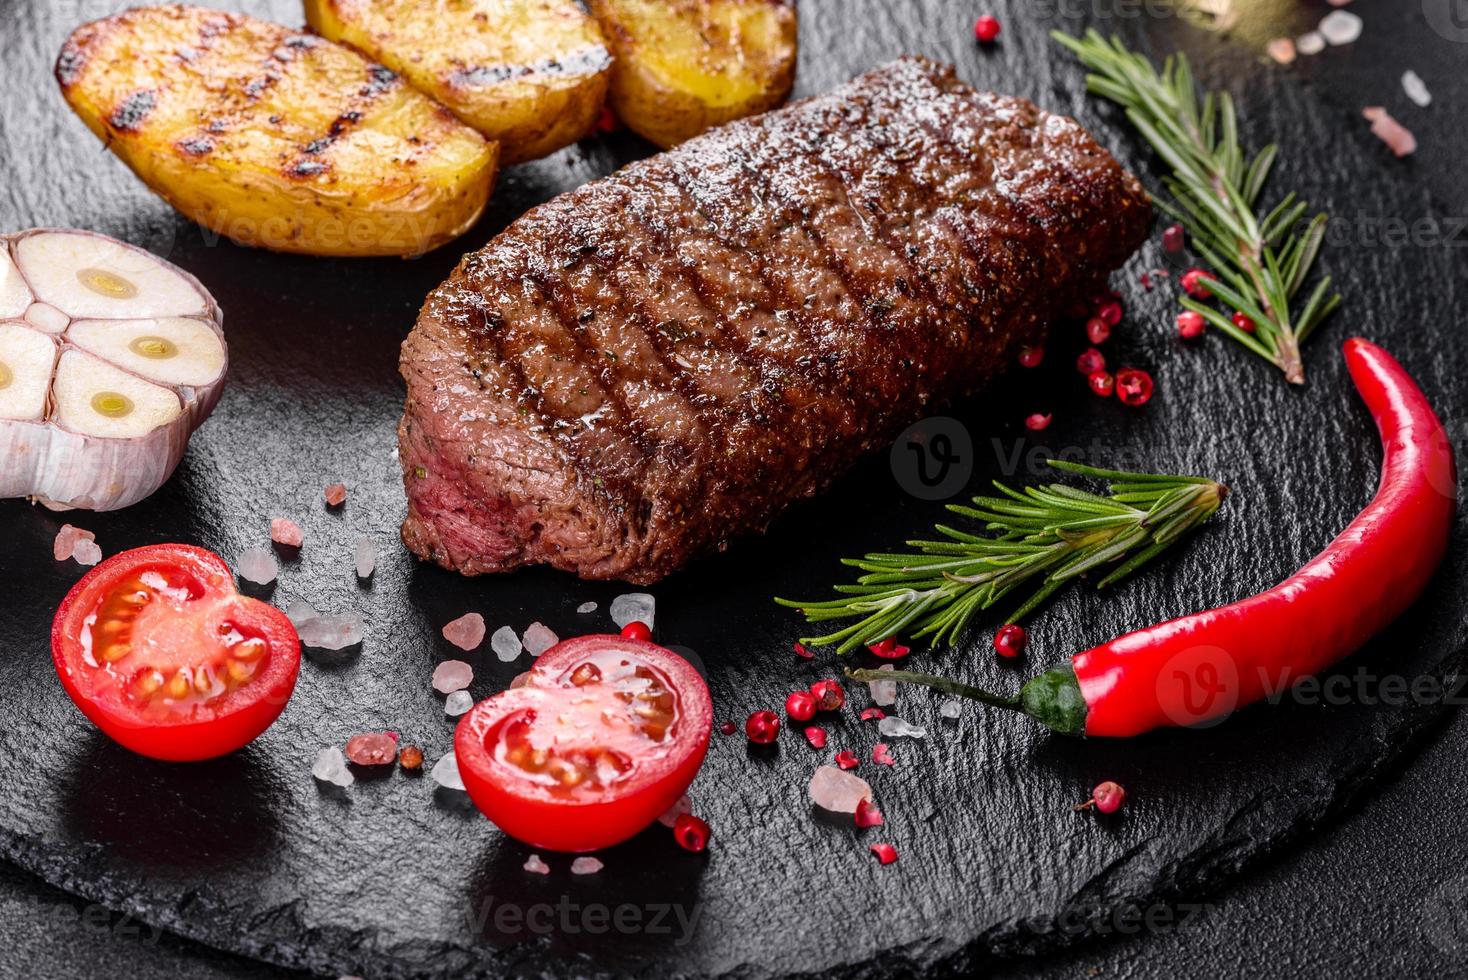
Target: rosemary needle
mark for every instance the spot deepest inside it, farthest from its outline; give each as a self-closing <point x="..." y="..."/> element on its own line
<point x="1042" y="536"/>
<point x="1258" y="260"/>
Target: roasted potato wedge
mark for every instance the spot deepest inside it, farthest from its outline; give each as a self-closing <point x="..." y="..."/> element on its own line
<point x="684" y="66"/>
<point x="531" y="74"/>
<point x="274" y="137"/>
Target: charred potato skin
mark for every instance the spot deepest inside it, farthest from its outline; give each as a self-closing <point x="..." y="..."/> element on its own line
<point x="529" y="74"/>
<point x="663" y="101"/>
<point x="276" y="138"/>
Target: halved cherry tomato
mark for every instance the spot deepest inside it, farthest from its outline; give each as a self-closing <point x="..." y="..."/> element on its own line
<point x="157" y="648"/>
<point x="602" y="739"/>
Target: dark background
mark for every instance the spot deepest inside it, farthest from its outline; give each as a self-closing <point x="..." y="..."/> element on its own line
<point x="1378" y="891"/>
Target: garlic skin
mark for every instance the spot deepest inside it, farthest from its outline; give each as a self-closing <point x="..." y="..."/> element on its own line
<point x="110" y="358"/>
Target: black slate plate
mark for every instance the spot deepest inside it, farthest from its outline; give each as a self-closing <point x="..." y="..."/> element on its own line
<point x="394" y="878"/>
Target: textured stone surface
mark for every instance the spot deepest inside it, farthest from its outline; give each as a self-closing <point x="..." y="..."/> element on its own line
<point x="392" y="878"/>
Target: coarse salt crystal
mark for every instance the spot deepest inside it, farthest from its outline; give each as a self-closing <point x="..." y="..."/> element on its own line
<point x="634" y="607"/>
<point x="586" y="608"/>
<point x="335" y="495"/>
<point x="445" y="772"/>
<point x="1416" y="88"/>
<point x="1311" y="43"/>
<point x="458" y="703"/>
<point x="894" y="727"/>
<point x="255" y="565"/>
<point x="65" y="544"/>
<point x="951" y="708"/>
<point x="1282" y="50"/>
<point x="586" y="866"/>
<point x="335" y="631"/>
<point x="451" y="676"/>
<point x="536" y="866"/>
<point x="1390" y="132"/>
<point x="505" y="644"/>
<point x="837" y="790"/>
<point x="466" y="632"/>
<point x="372" y="748"/>
<point x="331" y="767"/>
<point x="86" y="552"/>
<point x="1340" y="27"/>
<point x="884" y="693"/>
<point x="365" y="557"/>
<point x="284" y="531"/>
<point x="301" y="612"/>
<point x="684" y="805"/>
<point x="539" y="638"/>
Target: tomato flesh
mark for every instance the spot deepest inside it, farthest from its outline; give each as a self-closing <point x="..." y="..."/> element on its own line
<point x="603" y="737"/>
<point x="157" y="648"/>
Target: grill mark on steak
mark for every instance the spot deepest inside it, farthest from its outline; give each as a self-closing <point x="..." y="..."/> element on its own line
<point x="788" y="292"/>
<point x="686" y="275"/>
<point x="747" y="268"/>
<point x="624" y="313"/>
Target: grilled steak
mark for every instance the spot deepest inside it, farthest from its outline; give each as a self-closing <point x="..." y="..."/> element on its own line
<point x="651" y="365"/>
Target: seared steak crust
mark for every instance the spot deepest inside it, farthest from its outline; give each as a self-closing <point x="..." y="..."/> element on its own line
<point x="644" y="368"/>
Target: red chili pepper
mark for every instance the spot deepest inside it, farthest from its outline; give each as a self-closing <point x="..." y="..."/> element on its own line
<point x="1200" y="668"/>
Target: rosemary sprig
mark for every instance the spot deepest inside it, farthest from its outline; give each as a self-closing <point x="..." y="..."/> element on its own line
<point x="1045" y="535"/>
<point x="1260" y="260"/>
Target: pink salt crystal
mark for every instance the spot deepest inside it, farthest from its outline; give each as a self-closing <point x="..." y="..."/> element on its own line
<point x="466" y="632"/>
<point x="586" y="866"/>
<point x="882" y="754"/>
<point x="1282" y="50"/>
<point x="86" y="552"/>
<point x="336" y="494"/>
<point x="520" y="680"/>
<point x="66" y="540"/>
<point x="372" y="749"/>
<point x="286" y="532"/>
<point x="676" y="810"/>
<point x="536" y="866"/>
<point x="1390" y="132"/>
<point x="838" y="791"/>
<point x="451" y="676"/>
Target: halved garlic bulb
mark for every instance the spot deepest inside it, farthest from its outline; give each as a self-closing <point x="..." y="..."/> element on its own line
<point x="110" y="357"/>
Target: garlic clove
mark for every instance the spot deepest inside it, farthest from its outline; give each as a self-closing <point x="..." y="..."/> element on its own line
<point x="46" y="318"/>
<point x="87" y="275"/>
<point x="94" y="398"/>
<point x="120" y="356"/>
<point x="26" y="360"/>
<point x="14" y="294"/>
<point x="168" y="350"/>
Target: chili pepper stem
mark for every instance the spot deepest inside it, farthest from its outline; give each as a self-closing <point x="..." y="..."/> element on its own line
<point x="939" y="684"/>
